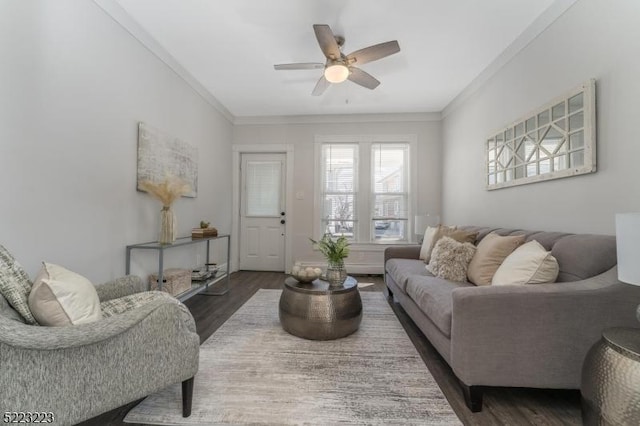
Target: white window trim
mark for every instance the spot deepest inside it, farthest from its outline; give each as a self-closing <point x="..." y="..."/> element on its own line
<point x="364" y="194"/>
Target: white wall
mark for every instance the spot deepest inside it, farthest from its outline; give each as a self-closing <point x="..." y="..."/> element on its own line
<point x="73" y="86"/>
<point x="302" y="137"/>
<point x="593" y="39"/>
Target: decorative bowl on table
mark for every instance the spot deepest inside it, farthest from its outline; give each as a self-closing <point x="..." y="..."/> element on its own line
<point x="305" y="274"/>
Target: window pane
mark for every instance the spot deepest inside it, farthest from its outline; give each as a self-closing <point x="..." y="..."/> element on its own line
<point x="339" y="167"/>
<point x="339" y="206"/>
<point x="339" y="171"/>
<point x="263" y="188"/>
<point x="575" y="103"/>
<point x="389" y="167"/>
<point x="390" y="230"/>
<point x="390" y="206"/>
<point x="390" y="179"/>
<point x="339" y="228"/>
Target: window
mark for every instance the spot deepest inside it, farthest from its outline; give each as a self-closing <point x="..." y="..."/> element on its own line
<point x="389" y="188"/>
<point x="339" y="174"/>
<point x="364" y="188"/>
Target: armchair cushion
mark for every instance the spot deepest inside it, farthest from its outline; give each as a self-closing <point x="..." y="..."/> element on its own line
<point x="15" y="285"/>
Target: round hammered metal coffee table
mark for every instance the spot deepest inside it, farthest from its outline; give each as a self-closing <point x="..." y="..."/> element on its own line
<point x="610" y="377"/>
<point x="316" y="311"/>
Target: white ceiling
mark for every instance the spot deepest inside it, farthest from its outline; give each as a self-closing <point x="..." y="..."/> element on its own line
<point x="230" y="47"/>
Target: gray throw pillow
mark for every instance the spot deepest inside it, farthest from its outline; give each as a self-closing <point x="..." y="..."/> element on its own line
<point x="450" y="259"/>
<point x="15" y="285"/>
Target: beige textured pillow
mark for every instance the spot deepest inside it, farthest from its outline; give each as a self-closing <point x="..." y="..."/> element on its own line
<point x="450" y="259"/>
<point x="491" y="252"/>
<point x="528" y="264"/>
<point x="60" y="297"/>
<point x="451" y="232"/>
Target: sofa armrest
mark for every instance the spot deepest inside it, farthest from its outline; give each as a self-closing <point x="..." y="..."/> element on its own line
<point x="402" y="252"/>
<point x="29" y="337"/>
<point x="123" y="286"/>
<point x="535" y="335"/>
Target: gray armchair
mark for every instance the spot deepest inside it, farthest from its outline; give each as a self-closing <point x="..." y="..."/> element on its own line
<point x="78" y="372"/>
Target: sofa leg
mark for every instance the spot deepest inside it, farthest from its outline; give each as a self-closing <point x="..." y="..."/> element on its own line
<point x="390" y="293"/>
<point x="187" y="397"/>
<point x="472" y="397"/>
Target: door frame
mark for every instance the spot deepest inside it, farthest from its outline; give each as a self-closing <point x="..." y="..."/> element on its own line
<point x="237" y="151"/>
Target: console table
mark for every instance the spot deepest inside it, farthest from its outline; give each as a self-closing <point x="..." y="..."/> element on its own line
<point x="196" y="286"/>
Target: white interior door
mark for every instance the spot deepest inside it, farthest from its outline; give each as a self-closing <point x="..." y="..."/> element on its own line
<point x="262" y="214"/>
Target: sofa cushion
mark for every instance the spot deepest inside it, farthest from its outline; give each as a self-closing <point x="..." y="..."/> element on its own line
<point x="528" y="264"/>
<point x="434" y="296"/>
<point x="60" y="297"/>
<point x="15" y="285"/>
<point x="450" y="259"/>
<point x="584" y="256"/>
<point x="401" y="269"/>
<point x="491" y="252"/>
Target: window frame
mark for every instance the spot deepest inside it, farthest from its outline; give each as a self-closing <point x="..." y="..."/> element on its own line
<point x="498" y="141"/>
<point x="365" y="233"/>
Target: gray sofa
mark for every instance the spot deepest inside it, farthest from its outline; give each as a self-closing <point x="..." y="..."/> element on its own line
<point x="517" y="336"/>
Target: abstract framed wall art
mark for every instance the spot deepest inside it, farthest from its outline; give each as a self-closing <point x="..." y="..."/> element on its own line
<point x="161" y="155"/>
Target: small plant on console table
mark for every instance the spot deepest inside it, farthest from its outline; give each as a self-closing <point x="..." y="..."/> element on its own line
<point x="335" y="252"/>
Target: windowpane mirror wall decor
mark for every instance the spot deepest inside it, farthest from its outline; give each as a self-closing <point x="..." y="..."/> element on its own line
<point x="557" y="140"/>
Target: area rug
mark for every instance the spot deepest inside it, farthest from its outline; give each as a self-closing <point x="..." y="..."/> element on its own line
<point x="253" y="372"/>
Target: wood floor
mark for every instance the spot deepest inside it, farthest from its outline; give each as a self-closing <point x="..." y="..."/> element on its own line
<point x="502" y="406"/>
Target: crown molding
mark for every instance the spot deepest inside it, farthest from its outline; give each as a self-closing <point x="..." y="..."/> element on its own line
<point x="537" y="27"/>
<point x="338" y="118"/>
<point x="113" y="9"/>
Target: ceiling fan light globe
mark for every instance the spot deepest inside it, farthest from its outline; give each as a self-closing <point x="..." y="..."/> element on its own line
<point x="336" y="73"/>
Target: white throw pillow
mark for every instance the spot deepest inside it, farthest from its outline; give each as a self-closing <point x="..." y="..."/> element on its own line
<point x="60" y="297"/>
<point x="528" y="264"/>
<point x="427" y="242"/>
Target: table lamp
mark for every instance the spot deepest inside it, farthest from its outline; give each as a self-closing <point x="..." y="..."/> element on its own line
<point x="628" y="247"/>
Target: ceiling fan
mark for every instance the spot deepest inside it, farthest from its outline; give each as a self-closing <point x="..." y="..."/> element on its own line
<point x="340" y="67"/>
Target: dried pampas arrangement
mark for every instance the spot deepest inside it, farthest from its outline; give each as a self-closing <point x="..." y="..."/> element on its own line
<point x="166" y="192"/>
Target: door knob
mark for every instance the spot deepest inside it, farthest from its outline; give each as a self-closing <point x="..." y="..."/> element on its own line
<point x="282" y="221"/>
<point x="282" y="213"/>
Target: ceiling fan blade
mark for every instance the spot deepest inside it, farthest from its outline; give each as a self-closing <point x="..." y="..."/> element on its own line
<point x="362" y="78"/>
<point x="321" y="86"/>
<point x="300" y="66"/>
<point x="373" y="53"/>
<point x="327" y="41"/>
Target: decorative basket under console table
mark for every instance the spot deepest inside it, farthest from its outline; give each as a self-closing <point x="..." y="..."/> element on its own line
<point x="197" y="286"/>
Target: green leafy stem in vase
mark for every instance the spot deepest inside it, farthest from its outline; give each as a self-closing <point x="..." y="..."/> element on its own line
<point x="334" y="251"/>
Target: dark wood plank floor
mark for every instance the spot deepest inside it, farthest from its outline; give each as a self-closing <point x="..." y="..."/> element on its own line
<point x="502" y="406"/>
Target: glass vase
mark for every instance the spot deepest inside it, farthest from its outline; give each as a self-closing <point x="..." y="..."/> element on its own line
<point x="167" y="226"/>
<point x="336" y="273"/>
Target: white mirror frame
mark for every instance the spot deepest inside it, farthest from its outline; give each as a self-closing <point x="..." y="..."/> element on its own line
<point x="554" y="141"/>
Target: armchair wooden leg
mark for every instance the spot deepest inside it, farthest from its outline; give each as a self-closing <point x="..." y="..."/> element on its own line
<point x="187" y="397"/>
<point x="472" y="397"/>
